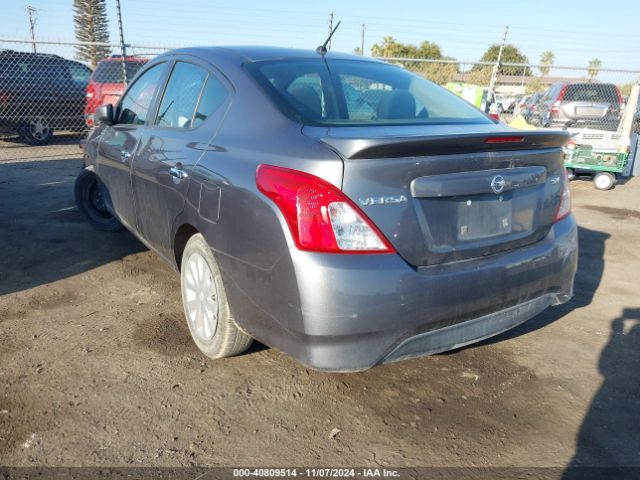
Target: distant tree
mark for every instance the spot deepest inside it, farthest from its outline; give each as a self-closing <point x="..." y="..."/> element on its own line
<point x="91" y="25"/>
<point x="429" y="50"/>
<point x="440" y="73"/>
<point x="535" y="85"/>
<point x="357" y="51"/>
<point x="546" y="60"/>
<point x="510" y="54"/>
<point x="594" y="68"/>
<point x="625" y="89"/>
<point x="389" y="47"/>
<point x="385" y="49"/>
<point x="480" y="76"/>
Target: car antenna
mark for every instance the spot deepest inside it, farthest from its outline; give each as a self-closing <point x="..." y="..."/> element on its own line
<point x="322" y="49"/>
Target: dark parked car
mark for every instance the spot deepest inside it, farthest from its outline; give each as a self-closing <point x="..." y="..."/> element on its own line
<point x="594" y="105"/>
<point x="343" y="231"/>
<point x="41" y="93"/>
<point x="106" y="84"/>
<point x="528" y="108"/>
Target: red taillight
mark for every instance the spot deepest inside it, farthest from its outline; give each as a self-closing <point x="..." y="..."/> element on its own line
<point x="93" y="99"/>
<point x="620" y="97"/>
<point x="556" y="105"/>
<point x="506" y="139"/>
<point x="320" y="217"/>
<point x="4" y="99"/>
<point x="564" y="206"/>
<point x="562" y="93"/>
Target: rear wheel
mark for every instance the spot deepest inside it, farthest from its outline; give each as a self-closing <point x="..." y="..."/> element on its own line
<point x="35" y="132"/>
<point x="604" y="180"/>
<point x="205" y="303"/>
<point x="91" y="202"/>
<point x="571" y="174"/>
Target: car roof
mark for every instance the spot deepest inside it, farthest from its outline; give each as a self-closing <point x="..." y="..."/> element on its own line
<point x="39" y="56"/>
<point x="246" y="54"/>
<point x="128" y="58"/>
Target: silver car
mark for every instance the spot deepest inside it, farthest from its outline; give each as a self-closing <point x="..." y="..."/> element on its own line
<point x="594" y="105"/>
<point x="340" y="209"/>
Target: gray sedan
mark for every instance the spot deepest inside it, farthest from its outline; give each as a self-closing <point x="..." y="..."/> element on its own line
<point x="340" y="209"/>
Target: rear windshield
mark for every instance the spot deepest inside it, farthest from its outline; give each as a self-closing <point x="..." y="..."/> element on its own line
<point x="352" y="92"/>
<point x="596" y="92"/>
<point x="111" y="71"/>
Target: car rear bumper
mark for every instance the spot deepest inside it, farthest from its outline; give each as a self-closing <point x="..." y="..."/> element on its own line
<point x="357" y="311"/>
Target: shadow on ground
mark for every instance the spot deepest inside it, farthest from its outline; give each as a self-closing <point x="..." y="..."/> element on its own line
<point x="608" y="442"/>
<point x="44" y="237"/>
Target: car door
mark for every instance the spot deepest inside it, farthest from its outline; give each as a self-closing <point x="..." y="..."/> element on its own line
<point x="119" y="142"/>
<point x="186" y="121"/>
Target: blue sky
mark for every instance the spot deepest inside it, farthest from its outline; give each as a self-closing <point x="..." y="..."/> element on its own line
<point x="575" y="31"/>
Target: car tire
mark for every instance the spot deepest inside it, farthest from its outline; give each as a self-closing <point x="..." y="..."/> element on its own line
<point x="91" y="202"/>
<point x="206" y="308"/>
<point x="604" y="180"/>
<point x="35" y="133"/>
<point x="571" y="174"/>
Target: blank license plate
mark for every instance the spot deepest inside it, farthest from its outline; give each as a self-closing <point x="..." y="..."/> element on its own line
<point x="590" y="111"/>
<point x="484" y="218"/>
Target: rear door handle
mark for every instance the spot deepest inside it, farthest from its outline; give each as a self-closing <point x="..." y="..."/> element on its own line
<point x="178" y="173"/>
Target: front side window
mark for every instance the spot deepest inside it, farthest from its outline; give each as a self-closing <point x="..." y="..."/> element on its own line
<point x="181" y="96"/>
<point x="135" y="105"/>
<point x="352" y="92"/>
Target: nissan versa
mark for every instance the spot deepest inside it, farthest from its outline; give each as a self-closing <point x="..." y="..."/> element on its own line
<point x="340" y="209"/>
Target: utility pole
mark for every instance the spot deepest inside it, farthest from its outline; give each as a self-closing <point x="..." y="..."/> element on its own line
<point x="330" y="29"/>
<point x="33" y="20"/>
<point x="123" y="47"/>
<point x="362" y="40"/>
<point x="494" y="74"/>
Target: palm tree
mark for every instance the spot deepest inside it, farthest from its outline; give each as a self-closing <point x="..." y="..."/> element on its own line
<point x="385" y="49"/>
<point x="546" y="60"/>
<point x="594" y="68"/>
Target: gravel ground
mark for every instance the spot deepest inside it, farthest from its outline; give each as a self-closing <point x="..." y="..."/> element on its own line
<point x="97" y="367"/>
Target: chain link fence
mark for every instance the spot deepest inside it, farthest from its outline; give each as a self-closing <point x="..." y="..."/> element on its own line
<point x="545" y="96"/>
<point x="47" y="98"/>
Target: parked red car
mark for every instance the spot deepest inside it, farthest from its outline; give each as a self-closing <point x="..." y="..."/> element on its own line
<point x="106" y="84"/>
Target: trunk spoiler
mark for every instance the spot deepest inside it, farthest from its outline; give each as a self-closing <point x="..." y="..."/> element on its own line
<point x="413" y="146"/>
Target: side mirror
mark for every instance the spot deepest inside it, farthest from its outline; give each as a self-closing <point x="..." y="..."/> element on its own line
<point x="104" y="114"/>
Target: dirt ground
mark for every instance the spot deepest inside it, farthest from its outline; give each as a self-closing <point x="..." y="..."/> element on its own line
<point x="97" y="367"/>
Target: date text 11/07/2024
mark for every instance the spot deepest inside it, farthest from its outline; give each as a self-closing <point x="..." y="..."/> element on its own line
<point x="315" y="473"/>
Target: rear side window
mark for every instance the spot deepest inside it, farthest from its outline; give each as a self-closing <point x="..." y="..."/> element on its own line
<point x="134" y="106"/>
<point x="212" y="98"/>
<point x="591" y="92"/>
<point x="42" y="70"/>
<point x="181" y="96"/>
<point x="79" y="74"/>
<point x="110" y="71"/>
<point x="353" y="92"/>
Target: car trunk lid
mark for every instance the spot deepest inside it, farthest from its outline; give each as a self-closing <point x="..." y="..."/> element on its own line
<point x="449" y="193"/>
